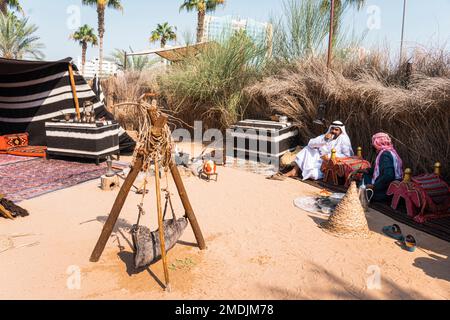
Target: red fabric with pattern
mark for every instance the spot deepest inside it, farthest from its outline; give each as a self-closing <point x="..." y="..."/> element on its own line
<point x="435" y="197"/>
<point x="427" y="197"/>
<point x="345" y="166"/>
<point x="28" y="151"/>
<point x="13" y="140"/>
<point x="342" y="168"/>
<point x="409" y="193"/>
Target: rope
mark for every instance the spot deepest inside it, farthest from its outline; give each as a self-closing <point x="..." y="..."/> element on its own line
<point x="151" y="147"/>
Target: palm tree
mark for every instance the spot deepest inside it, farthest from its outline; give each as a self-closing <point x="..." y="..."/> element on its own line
<point x="84" y="35"/>
<point x="101" y="6"/>
<point x="14" y="4"/>
<point x="202" y="7"/>
<point x="18" y="39"/>
<point x="163" y="33"/>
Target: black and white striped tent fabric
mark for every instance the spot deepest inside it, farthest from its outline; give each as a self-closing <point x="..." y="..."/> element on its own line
<point x="97" y="88"/>
<point x="32" y="93"/>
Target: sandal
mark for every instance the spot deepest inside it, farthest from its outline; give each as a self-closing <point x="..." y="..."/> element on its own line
<point x="394" y="232"/>
<point x="410" y="243"/>
<point x="277" y="177"/>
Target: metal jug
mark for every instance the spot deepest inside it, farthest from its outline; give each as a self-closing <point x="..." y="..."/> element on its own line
<point x="364" y="196"/>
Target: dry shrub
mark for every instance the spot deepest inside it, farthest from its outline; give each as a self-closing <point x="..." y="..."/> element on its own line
<point x="128" y="87"/>
<point x="417" y="117"/>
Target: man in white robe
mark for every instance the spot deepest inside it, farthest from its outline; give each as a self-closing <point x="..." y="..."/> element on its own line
<point x="309" y="160"/>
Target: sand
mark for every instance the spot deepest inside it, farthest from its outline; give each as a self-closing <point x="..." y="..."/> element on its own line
<point x="259" y="247"/>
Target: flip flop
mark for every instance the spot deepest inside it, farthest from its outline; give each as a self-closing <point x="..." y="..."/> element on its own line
<point x="410" y="243"/>
<point x="277" y="177"/>
<point x="394" y="232"/>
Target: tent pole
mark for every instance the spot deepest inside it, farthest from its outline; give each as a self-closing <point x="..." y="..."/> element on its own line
<point x="74" y="91"/>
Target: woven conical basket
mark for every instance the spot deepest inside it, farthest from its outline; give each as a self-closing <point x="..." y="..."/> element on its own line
<point x="349" y="219"/>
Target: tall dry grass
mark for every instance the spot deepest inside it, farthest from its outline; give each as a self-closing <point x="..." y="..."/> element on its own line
<point x="369" y="97"/>
<point x="128" y="87"/>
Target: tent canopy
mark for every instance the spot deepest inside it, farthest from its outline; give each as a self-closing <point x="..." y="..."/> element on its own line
<point x="11" y="67"/>
<point x="174" y="54"/>
<point x="33" y="92"/>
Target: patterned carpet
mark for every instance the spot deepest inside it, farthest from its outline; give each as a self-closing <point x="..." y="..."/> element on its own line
<point x="6" y="159"/>
<point x="26" y="180"/>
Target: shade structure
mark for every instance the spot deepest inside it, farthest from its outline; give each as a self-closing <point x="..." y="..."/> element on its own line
<point x="175" y="54"/>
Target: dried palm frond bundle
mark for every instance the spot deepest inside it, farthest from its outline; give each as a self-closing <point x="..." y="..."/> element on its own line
<point x="9" y="210"/>
<point x="349" y="219"/>
<point x="369" y="99"/>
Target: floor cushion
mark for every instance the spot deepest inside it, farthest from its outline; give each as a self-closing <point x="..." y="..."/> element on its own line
<point x="13" y="140"/>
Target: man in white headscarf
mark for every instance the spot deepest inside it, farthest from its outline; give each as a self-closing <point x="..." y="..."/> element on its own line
<point x="309" y="161"/>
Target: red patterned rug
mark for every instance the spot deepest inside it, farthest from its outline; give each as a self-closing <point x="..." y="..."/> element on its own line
<point x="26" y="180"/>
<point x="10" y="159"/>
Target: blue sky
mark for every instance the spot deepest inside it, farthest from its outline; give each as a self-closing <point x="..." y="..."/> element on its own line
<point x="427" y="23"/>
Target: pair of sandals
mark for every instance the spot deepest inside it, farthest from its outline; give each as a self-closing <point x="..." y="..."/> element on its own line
<point x="409" y="242"/>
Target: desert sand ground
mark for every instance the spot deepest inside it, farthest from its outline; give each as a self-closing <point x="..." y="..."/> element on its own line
<point x="259" y="247"/>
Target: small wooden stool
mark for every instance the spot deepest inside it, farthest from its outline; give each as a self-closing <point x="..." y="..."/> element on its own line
<point x="110" y="183"/>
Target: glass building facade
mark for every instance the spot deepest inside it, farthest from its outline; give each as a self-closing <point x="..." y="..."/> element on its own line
<point x="220" y="28"/>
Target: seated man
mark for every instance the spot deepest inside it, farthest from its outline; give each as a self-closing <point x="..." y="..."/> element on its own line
<point x="309" y="161"/>
<point x="388" y="167"/>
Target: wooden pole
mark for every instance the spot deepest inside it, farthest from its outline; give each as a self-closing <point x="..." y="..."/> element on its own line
<point x="181" y="190"/>
<point x="330" y="39"/>
<point x="187" y="206"/>
<point x="74" y="91"/>
<point x="115" y="211"/>
<point x="403" y="32"/>
<point x="126" y="187"/>
<point x="161" y="225"/>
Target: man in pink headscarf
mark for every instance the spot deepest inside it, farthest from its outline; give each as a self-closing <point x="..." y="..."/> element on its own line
<point x="388" y="167"/>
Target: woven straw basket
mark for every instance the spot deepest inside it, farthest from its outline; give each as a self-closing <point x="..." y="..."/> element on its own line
<point x="349" y="219"/>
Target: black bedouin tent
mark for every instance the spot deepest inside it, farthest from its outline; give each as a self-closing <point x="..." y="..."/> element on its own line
<point x="33" y="92"/>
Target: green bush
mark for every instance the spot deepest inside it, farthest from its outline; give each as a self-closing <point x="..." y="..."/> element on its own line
<point x="209" y="86"/>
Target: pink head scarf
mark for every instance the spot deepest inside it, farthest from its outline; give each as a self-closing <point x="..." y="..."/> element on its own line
<point x="382" y="142"/>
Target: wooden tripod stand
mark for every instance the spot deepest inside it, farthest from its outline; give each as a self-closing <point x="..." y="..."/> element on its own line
<point x="158" y="124"/>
